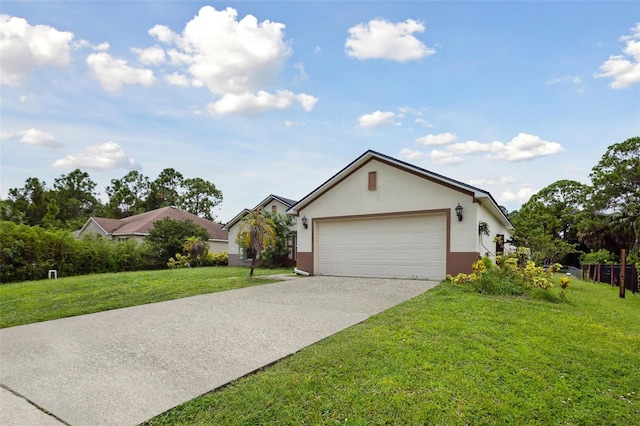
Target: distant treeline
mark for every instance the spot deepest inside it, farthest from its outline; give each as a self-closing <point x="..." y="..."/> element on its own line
<point x="74" y="198"/>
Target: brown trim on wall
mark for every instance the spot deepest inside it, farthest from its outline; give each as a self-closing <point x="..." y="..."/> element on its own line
<point x="460" y="262"/>
<point x="305" y="261"/>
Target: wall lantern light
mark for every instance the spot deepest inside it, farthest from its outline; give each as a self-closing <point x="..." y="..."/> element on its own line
<point x="458" y="212"/>
<point x="305" y="222"/>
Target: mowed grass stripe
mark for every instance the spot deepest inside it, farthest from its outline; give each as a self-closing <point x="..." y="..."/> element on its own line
<point x="35" y="301"/>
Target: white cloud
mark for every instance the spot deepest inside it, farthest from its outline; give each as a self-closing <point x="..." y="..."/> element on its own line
<point x="302" y="73"/>
<point x="107" y="156"/>
<point x="439" y="139"/>
<point x="39" y="137"/>
<point x="425" y="123"/>
<point x="522" y="147"/>
<point x="525" y="147"/>
<point x="237" y="60"/>
<point x="24" y="47"/>
<point x="574" y="81"/>
<point x="376" y="118"/>
<point x="150" y="56"/>
<point x="521" y="195"/>
<point x="492" y="182"/>
<point x="163" y="34"/>
<point x="444" y="157"/>
<point x="5" y="134"/>
<point x="470" y="147"/>
<point x="411" y="155"/>
<point x="624" y="69"/>
<point x="290" y="123"/>
<point x="176" y="79"/>
<point x="229" y="56"/>
<point x="112" y="73"/>
<point x="251" y="104"/>
<point x="383" y="39"/>
<point x="80" y="44"/>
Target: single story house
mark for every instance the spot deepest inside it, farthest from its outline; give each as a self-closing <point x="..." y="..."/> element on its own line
<point x="137" y="227"/>
<point x="273" y="203"/>
<point x="383" y="217"/>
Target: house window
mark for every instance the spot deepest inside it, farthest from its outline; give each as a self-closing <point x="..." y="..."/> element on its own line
<point x="373" y="178"/>
<point x="292" y="246"/>
<point x="246" y="253"/>
<point x="274" y="208"/>
<point x="122" y="239"/>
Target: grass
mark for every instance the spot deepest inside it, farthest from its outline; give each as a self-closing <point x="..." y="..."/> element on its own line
<point x="34" y="301"/>
<point x="453" y="356"/>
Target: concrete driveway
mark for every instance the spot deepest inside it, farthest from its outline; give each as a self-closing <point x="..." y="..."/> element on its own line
<point x="124" y="366"/>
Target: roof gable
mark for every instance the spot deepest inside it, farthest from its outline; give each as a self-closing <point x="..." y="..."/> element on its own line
<point x="371" y="155"/>
<point x="287" y="202"/>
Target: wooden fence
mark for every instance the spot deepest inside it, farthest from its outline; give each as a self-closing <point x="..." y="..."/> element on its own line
<point x="610" y="274"/>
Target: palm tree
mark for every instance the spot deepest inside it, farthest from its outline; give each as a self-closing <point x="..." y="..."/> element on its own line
<point x="196" y="248"/>
<point x="256" y="232"/>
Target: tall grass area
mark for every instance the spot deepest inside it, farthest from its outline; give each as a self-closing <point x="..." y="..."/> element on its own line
<point x="34" y="301"/>
<point x="453" y="356"/>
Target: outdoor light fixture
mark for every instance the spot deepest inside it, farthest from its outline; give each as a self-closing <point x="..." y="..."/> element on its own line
<point x="458" y="212"/>
<point x="305" y="222"/>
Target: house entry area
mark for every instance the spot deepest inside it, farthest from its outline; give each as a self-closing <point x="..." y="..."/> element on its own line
<point x="407" y="246"/>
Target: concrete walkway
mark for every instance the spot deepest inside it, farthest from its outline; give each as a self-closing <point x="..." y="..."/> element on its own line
<point x="124" y="366"/>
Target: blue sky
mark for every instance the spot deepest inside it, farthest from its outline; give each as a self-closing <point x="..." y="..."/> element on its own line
<point x="275" y="97"/>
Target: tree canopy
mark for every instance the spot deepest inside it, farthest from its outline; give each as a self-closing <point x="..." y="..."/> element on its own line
<point x="568" y="217"/>
<point x="74" y="198"/>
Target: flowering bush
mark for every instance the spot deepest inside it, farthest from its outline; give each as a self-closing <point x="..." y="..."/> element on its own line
<point x="512" y="274"/>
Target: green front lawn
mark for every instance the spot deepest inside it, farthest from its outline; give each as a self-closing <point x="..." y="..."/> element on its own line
<point x="34" y="301"/>
<point x="452" y="356"/>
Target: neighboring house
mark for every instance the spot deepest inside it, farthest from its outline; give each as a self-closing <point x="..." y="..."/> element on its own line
<point x="137" y="227"/>
<point x="382" y="217"/>
<point x="241" y="257"/>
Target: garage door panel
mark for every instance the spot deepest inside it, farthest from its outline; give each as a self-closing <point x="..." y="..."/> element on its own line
<point x="393" y="247"/>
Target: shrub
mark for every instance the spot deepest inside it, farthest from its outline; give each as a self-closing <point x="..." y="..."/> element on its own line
<point x="28" y="252"/>
<point x="216" y="259"/>
<point x="180" y="261"/>
<point x="513" y="274"/>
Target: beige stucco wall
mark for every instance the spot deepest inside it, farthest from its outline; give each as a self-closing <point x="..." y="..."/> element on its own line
<point x="92" y="228"/>
<point x="485" y="244"/>
<point x="217" y="246"/>
<point x="397" y="191"/>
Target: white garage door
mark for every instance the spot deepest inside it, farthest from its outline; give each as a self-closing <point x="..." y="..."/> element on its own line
<point x="391" y="247"/>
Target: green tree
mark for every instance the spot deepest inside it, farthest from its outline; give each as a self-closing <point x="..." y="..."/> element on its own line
<point x="128" y="195"/>
<point x="256" y="231"/>
<point x="165" y="190"/>
<point x="76" y="197"/>
<point x="547" y="222"/>
<point x="616" y="190"/>
<point x="28" y="204"/>
<point x="200" y="197"/>
<point x="277" y="254"/>
<point x="168" y="237"/>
